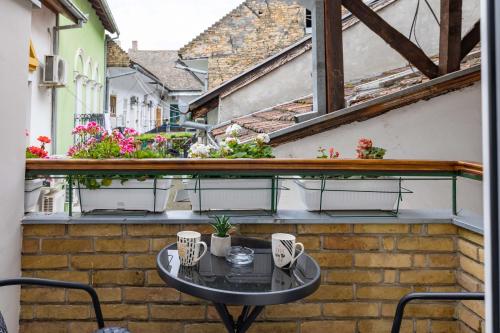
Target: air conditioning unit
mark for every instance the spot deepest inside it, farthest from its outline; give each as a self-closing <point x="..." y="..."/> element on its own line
<point x="53" y="202"/>
<point x="54" y="73"/>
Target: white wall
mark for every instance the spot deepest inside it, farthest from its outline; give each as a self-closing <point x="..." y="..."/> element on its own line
<point x="365" y="55"/>
<point x="444" y="128"/>
<point x="288" y="82"/>
<point x="15" y="22"/>
<point x="40" y="120"/>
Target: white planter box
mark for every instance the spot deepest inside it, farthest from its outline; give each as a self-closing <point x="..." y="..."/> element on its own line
<point x="231" y="194"/>
<point x="133" y="195"/>
<point x="32" y="189"/>
<point x="350" y="194"/>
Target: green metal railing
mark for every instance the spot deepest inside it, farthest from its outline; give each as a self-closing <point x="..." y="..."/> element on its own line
<point x="275" y="170"/>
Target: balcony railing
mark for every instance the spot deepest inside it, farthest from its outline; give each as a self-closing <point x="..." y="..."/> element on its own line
<point x="281" y="173"/>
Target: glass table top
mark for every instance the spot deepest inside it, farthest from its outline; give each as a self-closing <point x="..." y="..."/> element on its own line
<point x="214" y="276"/>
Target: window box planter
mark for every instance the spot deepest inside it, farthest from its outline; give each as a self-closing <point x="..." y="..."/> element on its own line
<point x="32" y="189"/>
<point x="233" y="194"/>
<point x="355" y="193"/>
<point x="150" y="195"/>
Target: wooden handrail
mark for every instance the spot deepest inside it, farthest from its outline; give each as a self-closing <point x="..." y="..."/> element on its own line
<point x="277" y="165"/>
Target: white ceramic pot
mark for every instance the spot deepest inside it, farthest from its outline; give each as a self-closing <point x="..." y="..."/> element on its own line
<point x="231" y="194"/>
<point x="32" y="189"/>
<point x="350" y="194"/>
<point x="133" y="195"/>
<point x="220" y="245"/>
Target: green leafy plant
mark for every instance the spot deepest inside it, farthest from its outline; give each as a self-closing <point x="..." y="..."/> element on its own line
<point x="231" y="147"/>
<point x="222" y="226"/>
<point x="365" y="150"/>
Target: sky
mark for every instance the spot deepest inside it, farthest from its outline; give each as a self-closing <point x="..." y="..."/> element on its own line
<point x="166" y="24"/>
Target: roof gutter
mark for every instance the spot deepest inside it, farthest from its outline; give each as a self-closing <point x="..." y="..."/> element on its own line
<point x="75" y="11"/>
<point x="109" y="14"/>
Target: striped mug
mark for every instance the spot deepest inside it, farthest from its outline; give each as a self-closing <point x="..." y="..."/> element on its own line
<point x="284" y="250"/>
<point x="188" y="246"/>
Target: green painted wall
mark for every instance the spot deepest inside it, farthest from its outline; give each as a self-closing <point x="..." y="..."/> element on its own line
<point x="90" y="38"/>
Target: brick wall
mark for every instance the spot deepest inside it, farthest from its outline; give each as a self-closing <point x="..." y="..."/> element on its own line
<point x="250" y="33"/>
<point x="366" y="268"/>
<point x="115" y="56"/>
<point x="470" y="277"/>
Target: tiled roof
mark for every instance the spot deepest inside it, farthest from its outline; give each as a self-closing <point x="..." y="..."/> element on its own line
<point x="162" y="64"/>
<point x="103" y="11"/>
<point x="359" y="92"/>
<point x="268" y="121"/>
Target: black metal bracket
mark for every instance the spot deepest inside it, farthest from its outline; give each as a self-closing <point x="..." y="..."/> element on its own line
<point x="245" y="319"/>
<point x="398" y="317"/>
<point x="61" y="284"/>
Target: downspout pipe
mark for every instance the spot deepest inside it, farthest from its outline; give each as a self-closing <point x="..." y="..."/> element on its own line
<point x="82" y="19"/>
<point x="107" y="78"/>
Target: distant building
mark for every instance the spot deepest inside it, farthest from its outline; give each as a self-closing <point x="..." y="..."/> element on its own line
<point x="84" y="50"/>
<point x="147" y="87"/>
<point x="248" y="34"/>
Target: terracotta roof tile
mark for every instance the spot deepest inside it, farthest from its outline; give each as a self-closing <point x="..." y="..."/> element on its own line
<point x="162" y="63"/>
<point x="358" y="92"/>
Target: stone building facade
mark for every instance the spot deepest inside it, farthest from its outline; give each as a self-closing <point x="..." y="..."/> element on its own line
<point x="250" y="33"/>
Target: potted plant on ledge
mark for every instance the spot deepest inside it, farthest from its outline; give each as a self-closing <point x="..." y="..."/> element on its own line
<point x="221" y="240"/>
<point x="119" y="192"/>
<point x="351" y="193"/>
<point x="232" y="193"/>
<point x="33" y="187"/>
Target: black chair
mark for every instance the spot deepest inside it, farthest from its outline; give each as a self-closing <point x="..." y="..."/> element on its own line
<point x="67" y="285"/>
<point x="398" y="317"/>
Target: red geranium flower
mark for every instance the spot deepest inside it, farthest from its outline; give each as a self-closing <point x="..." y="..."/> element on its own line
<point x="44" y="139"/>
<point x="41" y="153"/>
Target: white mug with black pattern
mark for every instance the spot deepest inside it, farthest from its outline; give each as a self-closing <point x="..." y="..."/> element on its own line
<point x="188" y="246"/>
<point x="284" y="248"/>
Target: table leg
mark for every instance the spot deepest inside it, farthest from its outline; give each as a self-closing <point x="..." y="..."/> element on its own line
<point x="245" y="320"/>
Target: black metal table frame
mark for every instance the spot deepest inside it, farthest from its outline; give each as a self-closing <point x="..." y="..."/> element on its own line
<point x="251" y="307"/>
<point x="245" y="319"/>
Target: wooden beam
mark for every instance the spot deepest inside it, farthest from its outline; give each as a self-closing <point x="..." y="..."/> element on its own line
<point x="272" y="165"/>
<point x="335" y="99"/>
<point x="450" y="38"/>
<point x="393" y="37"/>
<point x="385" y="104"/>
<point x="470" y="40"/>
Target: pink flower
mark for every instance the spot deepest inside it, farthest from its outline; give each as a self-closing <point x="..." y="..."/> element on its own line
<point x="72" y="150"/>
<point x="333" y="153"/>
<point x="127" y="146"/>
<point x="80" y="129"/>
<point x="160" y="139"/>
<point x="91" y="141"/>
<point x="94" y="128"/>
<point x="365" y="143"/>
<point x="130" y="132"/>
<point x="117" y="135"/>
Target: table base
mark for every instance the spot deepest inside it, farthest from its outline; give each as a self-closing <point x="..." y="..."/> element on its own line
<point x="245" y="320"/>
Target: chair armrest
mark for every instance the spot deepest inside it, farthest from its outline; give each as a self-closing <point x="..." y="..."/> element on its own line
<point x="398" y="317"/>
<point x="61" y="284"/>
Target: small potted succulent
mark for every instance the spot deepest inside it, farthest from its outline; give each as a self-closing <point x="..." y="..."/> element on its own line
<point x="351" y="192"/>
<point x="230" y="193"/>
<point x="33" y="187"/>
<point x="221" y="240"/>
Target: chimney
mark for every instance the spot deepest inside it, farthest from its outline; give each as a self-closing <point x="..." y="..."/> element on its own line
<point x="135" y="45"/>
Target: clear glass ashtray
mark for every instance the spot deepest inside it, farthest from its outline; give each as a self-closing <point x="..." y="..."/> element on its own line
<point x="238" y="255"/>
